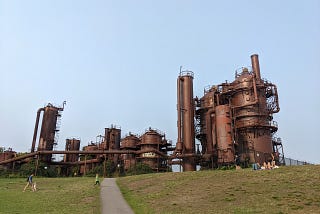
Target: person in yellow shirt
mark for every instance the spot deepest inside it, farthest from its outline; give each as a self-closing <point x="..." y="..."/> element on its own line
<point x="97" y="180"/>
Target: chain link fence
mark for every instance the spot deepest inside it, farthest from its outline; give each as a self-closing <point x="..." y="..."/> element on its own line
<point x="293" y="162"/>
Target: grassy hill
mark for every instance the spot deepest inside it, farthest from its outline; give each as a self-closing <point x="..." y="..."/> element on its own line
<point x="294" y="189"/>
<point x="54" y="195"/>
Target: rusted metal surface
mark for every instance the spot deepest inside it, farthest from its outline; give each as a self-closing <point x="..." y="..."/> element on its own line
<point x="112" y="140"/>
<point x="256" y="66"/>
<point x="130" y="142"/>
<point x="72" y="145"/>
<point x="186" y="108"/>
<point x="36" y="129"/>
<point x="152" y="143"/>
<point x="5" y="156"/>
<point x="40" y="153"/>
<point x="113" y="137"/>
<point x="225" y="146"/>
<point x="90" y="147"/>
<point x="206" y="125"/>
<point x="236" y="118"/>
<point x="48" y="129"/>
<point x="232" y="119"/>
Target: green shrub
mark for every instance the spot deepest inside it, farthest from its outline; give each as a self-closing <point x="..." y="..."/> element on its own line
<point x="139" y="168"/>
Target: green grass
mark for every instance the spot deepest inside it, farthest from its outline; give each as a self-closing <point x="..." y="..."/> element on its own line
<point x="54" y="195"/>
<point x="284" y="190"/>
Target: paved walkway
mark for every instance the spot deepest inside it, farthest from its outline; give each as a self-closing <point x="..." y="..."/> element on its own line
<point x="112" y="199"/>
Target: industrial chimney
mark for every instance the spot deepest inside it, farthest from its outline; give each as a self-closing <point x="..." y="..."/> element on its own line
<point x="186" y="133"/>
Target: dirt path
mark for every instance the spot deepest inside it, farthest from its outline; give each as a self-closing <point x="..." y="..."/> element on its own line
<point x="111" y="198"/>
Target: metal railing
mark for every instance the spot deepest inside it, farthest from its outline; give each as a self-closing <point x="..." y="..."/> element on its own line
<point x="240" y="70"/>
<point x="186" y="73"/>
<point x="293" y="162"/>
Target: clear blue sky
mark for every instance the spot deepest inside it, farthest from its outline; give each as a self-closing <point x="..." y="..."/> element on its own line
<point x="116" y="62"/>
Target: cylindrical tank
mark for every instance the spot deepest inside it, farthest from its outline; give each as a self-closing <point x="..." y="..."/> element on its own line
<point x="209" y="128"/>
<point x="48" y="130"/>
<point x="151" y="137"/>
<point x="224" y="136"/>
<point x="244" y="129"/>
<point x="251" y="118"/>
<point x="152" y="142"/>
<point x="91" y="147"/>
<point x="186" y="132"/>
<point x="130" y="142"/>
<point x="72" y="145"/>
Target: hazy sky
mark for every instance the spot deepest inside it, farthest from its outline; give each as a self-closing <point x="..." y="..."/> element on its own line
<point x="116" y="62"/>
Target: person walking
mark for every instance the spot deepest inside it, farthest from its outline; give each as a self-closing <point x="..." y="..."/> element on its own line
<point x="97" y="180"/>
<point x="29" y="183"/>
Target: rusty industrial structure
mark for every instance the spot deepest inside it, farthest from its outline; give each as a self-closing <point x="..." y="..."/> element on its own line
<point x="232" y="121"/>
<point x="186" y="132"/>
<point x="49" y="129"/>
<point x="72" y="145"/>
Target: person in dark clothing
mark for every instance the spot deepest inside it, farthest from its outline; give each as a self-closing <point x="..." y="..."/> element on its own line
<point x="29" y="183"/>
<point x="237" y="160"/>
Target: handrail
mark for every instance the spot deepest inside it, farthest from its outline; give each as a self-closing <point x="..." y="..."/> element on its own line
<point x="186" y="73"/>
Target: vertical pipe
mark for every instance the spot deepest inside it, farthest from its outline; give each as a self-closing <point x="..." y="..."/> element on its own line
<point x="179" y="110"/>
<point x="187" y="120"/>
<point x="209" y="131"/>
<point x="37" y="165"/>
<point x="36" y="129"/>
<point x="116" y="133"/>
<point x="85" y="165"/>
<point x="104" y="166"/>
<point x="67" y="148"/>
<point x="256" y="66"/>
<point x="224" y="137"/>
<point x="115" y="137"/>
<point x="256" y="100"/>
<point x="106" y="138"/>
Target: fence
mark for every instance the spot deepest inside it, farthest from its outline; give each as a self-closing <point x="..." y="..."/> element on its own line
<point x="293" y="162"/>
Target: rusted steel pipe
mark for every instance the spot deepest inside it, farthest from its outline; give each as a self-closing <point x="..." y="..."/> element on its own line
<point x="82" y="152"/>
<point x="256" y="67"/>
<point x="35" y="133"/>
<point x="179" y="111"/>
<point x="210" y="136"/>
<point x="19" y="158"/>
<point x="186" y="122"/>
<point x="178" y="156"/>
<point x="88" y="152"/>
<point x="76" y="162"/>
